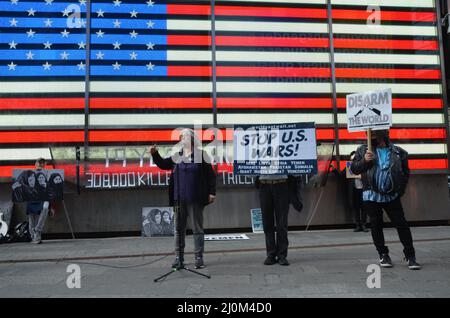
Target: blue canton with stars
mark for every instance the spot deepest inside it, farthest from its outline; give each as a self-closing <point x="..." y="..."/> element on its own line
<point x="47" y="38"/>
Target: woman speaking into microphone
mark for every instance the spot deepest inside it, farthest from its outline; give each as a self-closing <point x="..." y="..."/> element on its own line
<point x="192" y="186"/>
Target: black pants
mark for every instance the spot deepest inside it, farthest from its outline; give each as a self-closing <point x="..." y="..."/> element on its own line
<point x="274" y="200"/>
<point x="395" y="213"/>
<point x="359" y="212"/>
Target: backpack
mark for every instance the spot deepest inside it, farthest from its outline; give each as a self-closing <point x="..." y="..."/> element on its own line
<point x="21" y="233"/>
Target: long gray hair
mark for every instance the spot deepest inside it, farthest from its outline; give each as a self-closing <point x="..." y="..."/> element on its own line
<point x="195" y="141"/>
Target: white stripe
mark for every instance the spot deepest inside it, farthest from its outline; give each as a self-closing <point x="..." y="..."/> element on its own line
<point x="151" y="87"/>
<point x="25" y="154"/>
<point x="400" y="119"/>
<point x="248" y="26"/>
<point x="387" y="58"/>
<point x="276" y="118"/>
<point x="262" y="87"/>
<point x="384" y="29"/>
<point x="150" y="120"/>
<point x="272" y="27"/>
<point x="412" y="149"/>
<point x="199" y="25"/>
<point x="249" y="56"/>
<point x="387" y="3"/>
<point x="273" y="57"/>
<point x="41" y="87"/>
<point x="41" y="120"/>
<point x="189" y="55"/>
<point x="396" y="88"/>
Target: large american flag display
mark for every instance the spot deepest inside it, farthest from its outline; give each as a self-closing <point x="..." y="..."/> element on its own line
<point x="151" y="71"/>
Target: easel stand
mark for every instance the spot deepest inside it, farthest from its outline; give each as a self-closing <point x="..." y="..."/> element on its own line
<point x="68" y="218"/>
<point x="176" y="269"/>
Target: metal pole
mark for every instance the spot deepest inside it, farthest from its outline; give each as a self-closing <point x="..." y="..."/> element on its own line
<point x="214" y="74"/>
<point x="443" y="77"/>
<point x="87" y="83"/>
<point x="333" y="83"/>
<point x="214" y="62"/>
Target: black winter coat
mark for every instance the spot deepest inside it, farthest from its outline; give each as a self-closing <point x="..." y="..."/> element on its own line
<point x="207" y="184"/>
<point x="399" y="168"/>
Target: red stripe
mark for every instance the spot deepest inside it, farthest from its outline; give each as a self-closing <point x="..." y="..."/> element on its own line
<point x="69" y="170"/>
<point x="7" y="137"/>
<point x="272" y="41"/>
<point x="339" y="14"/>
<point x="272" y="12"/>
<point x="251" y="41"/>
<point x="204" y="40"/>
<point x="118" y="168"/>
<point x="189" y="71"/>
<point x="165" y="135"/>
<point x="267" y="103"/>
<point x="386" y="44"/>
<point x="41" y="103"/>
<point x="229" y="71"/>
<point x="169" y="103"/>
<point x="418" y="103"/>
<point x="188" y="9"/>
<point x="421" y="164"/>
<point x="324" y="134"/>
<point x="247" y="11"/>
<point x="399" y="134"/>
<point x="387" y="73"/>
<point x="428" y="164"/>
<point x="206" y="103"/>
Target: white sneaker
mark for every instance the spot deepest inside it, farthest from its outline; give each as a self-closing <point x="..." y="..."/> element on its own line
<point x="33" y="235"/>
<point x="36" y="238"/>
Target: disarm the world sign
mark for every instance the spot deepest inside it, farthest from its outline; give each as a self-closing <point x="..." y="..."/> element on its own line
<point x="369" y="110"/>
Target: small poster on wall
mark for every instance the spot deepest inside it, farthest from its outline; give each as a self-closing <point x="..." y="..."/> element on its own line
<point x="158" y="221"/>
<point x="37" y="185"/>
<point x="257" y="224"/>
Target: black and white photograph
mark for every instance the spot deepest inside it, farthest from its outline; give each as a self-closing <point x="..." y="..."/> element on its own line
<point x="157" y="221"/>
<point x="37" y="185"/>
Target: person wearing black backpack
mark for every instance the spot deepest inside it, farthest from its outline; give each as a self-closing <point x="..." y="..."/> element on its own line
<point x="384" y="174"/>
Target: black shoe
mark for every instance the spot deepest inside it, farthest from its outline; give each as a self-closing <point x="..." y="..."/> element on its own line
<point x="199" y="262"/>
<point x="358" y="229"/>
<point x="178" y="263"/>
<point x="412" y="264"/>
<point x="364" y="228"/>
<point x="385" y="261"/>
<point x="283" y="261"/>
<point x="270" y="260"/>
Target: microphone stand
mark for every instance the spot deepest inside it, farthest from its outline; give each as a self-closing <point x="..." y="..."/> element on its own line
<point x="176" y="210"/>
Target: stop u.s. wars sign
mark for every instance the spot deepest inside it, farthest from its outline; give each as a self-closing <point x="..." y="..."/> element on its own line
<point x="369" y="110"/>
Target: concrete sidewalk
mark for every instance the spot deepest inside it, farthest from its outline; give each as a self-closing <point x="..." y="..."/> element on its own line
<point x="323" y="264"/>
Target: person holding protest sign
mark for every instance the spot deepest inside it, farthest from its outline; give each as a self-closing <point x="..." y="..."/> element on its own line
<point x="192" y="186"/>
<point x="274" y="200"/>
<point x="385" y="173"/>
